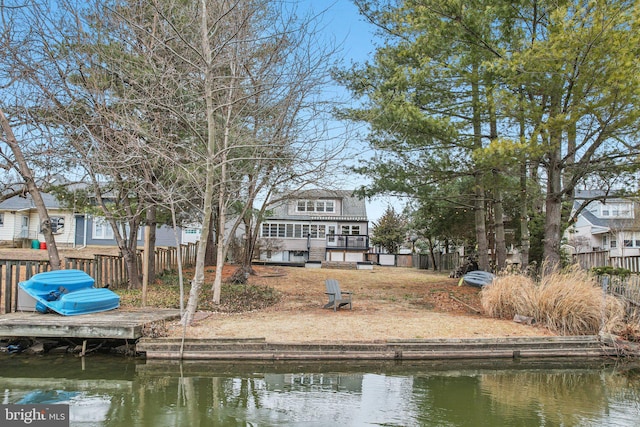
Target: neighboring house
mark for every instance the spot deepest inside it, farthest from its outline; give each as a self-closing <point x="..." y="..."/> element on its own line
<point x="20" y="222"/>
<point x="611" y="226"/>
<point x="20" y="225"/>
<point x="316" y="225"/>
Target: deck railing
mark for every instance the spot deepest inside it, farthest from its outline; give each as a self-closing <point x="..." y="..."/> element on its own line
<point x="347" y="241"/>
<point x="105" y="269"/>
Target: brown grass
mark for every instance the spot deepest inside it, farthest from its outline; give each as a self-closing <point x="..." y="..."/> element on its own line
<point x="388" y="303"/>
<point x="568" y="303"/>
<point x="401" y="303"/>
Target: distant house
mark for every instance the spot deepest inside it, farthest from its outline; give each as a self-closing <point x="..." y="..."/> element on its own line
<point x="316" y="225"/>
<point x="20" y="225"/>
<point x="611" y="225"/>
<point x="20" y="222"/>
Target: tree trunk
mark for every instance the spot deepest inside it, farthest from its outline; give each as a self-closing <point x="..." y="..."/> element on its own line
<point x="198" y="278"/>
<point x="151" y="259"/>
<point x="525" y="243"/>
<point x="553" y="200"/>
<point x="498" y="213"/>
<point x="553" y="210"/>
<point x="498" y="210"/>
<point x="210" y="254"/>
<point x="479" y="202"/>
<point x="26" y="174"/>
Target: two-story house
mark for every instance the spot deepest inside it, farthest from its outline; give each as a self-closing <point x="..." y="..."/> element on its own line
<point x="610" y="225"/>
<point x="316" y="225"/>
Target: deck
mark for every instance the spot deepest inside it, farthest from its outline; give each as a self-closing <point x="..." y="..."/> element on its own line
<point x="113" y="324"/>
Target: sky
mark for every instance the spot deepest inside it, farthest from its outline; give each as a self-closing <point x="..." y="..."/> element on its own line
<point x="357" y="43"/>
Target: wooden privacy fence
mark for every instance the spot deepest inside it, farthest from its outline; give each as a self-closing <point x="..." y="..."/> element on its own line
<point x="13" y="271"/>
<point x="444" y="262"/>
<point x="105" y="270"/>
<point x="589" y="260"/>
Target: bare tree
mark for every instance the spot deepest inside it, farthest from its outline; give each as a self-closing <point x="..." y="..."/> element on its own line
<point x="25" y="172"/>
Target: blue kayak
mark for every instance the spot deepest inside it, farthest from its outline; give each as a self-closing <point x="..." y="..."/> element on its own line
<point x="69" y="292"/>
<point x="477" y="278"/>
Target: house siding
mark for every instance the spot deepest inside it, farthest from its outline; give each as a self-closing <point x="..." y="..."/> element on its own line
<point x="605" y="226"/>
<point x="348" y="212"/>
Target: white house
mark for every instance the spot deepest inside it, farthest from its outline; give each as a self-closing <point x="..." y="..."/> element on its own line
<point x="316" y="225"/>
<point x="20" y="222"/>
<point x="20" y="226"/>
<point x="611" y="225"/>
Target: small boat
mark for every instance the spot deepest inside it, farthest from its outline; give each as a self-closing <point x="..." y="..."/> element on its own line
<point x="477" y="278"/>
<point x="69" y="292"/>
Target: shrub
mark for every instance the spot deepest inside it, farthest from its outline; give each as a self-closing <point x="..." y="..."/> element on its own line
<point x="568" y="303"/>
<point x="620" y="272"/>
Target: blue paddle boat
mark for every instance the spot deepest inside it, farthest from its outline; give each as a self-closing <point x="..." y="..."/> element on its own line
<point x="69" y="292"/>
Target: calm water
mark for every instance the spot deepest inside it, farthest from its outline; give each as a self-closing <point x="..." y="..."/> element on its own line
<point x="114" y="392"/>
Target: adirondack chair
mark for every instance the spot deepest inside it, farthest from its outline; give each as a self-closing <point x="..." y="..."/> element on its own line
<point x="337" y="298"/>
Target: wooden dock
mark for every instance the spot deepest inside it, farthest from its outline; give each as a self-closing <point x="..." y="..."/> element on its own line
<point x="113" y="324"/>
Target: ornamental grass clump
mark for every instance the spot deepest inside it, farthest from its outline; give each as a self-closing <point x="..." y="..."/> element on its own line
<point x="568" y="303"/>
<point x="509" y="295"/>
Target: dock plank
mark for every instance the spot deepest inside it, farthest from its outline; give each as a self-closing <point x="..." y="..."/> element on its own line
<point x="113" y="324"/>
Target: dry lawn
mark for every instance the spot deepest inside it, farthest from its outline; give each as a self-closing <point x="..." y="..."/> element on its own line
<point x="388" y="303"/>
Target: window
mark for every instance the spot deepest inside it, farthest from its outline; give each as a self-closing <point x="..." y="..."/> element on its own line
<point x="57" y="224"/>
<point x="1" y="219"/>
<point x="328" y="206"/>
<point x="614" y="243"/>
<point x="605" y="211"/>
<point x="628" y="243"/>
<point x="296" y="231"/>
<point x="315" y="206"/>
<point x="101" y="229"/>
<point x="324" y="206"/>
<point x="353" y="229"/>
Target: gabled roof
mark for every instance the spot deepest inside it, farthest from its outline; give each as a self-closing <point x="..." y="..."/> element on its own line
<point x="353" y="208"/>
<point x="599" y="195"/>
<point x="19" y="203"/>
<point x="604" y="225"/>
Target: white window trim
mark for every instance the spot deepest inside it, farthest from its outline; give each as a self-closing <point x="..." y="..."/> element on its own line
<point x="319" y="205"/>
<point x="105" y="228"/>
<point x="296" y="230"/>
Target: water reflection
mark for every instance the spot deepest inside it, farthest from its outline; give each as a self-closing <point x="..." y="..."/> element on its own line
<point x="116" y="392"/>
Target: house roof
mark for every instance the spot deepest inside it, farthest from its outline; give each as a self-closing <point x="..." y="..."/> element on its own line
<point x="598" y="194"/>
<point x="353" y="207"/>
<point x="19" y="203"/>
<point x="604" y="225"/>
